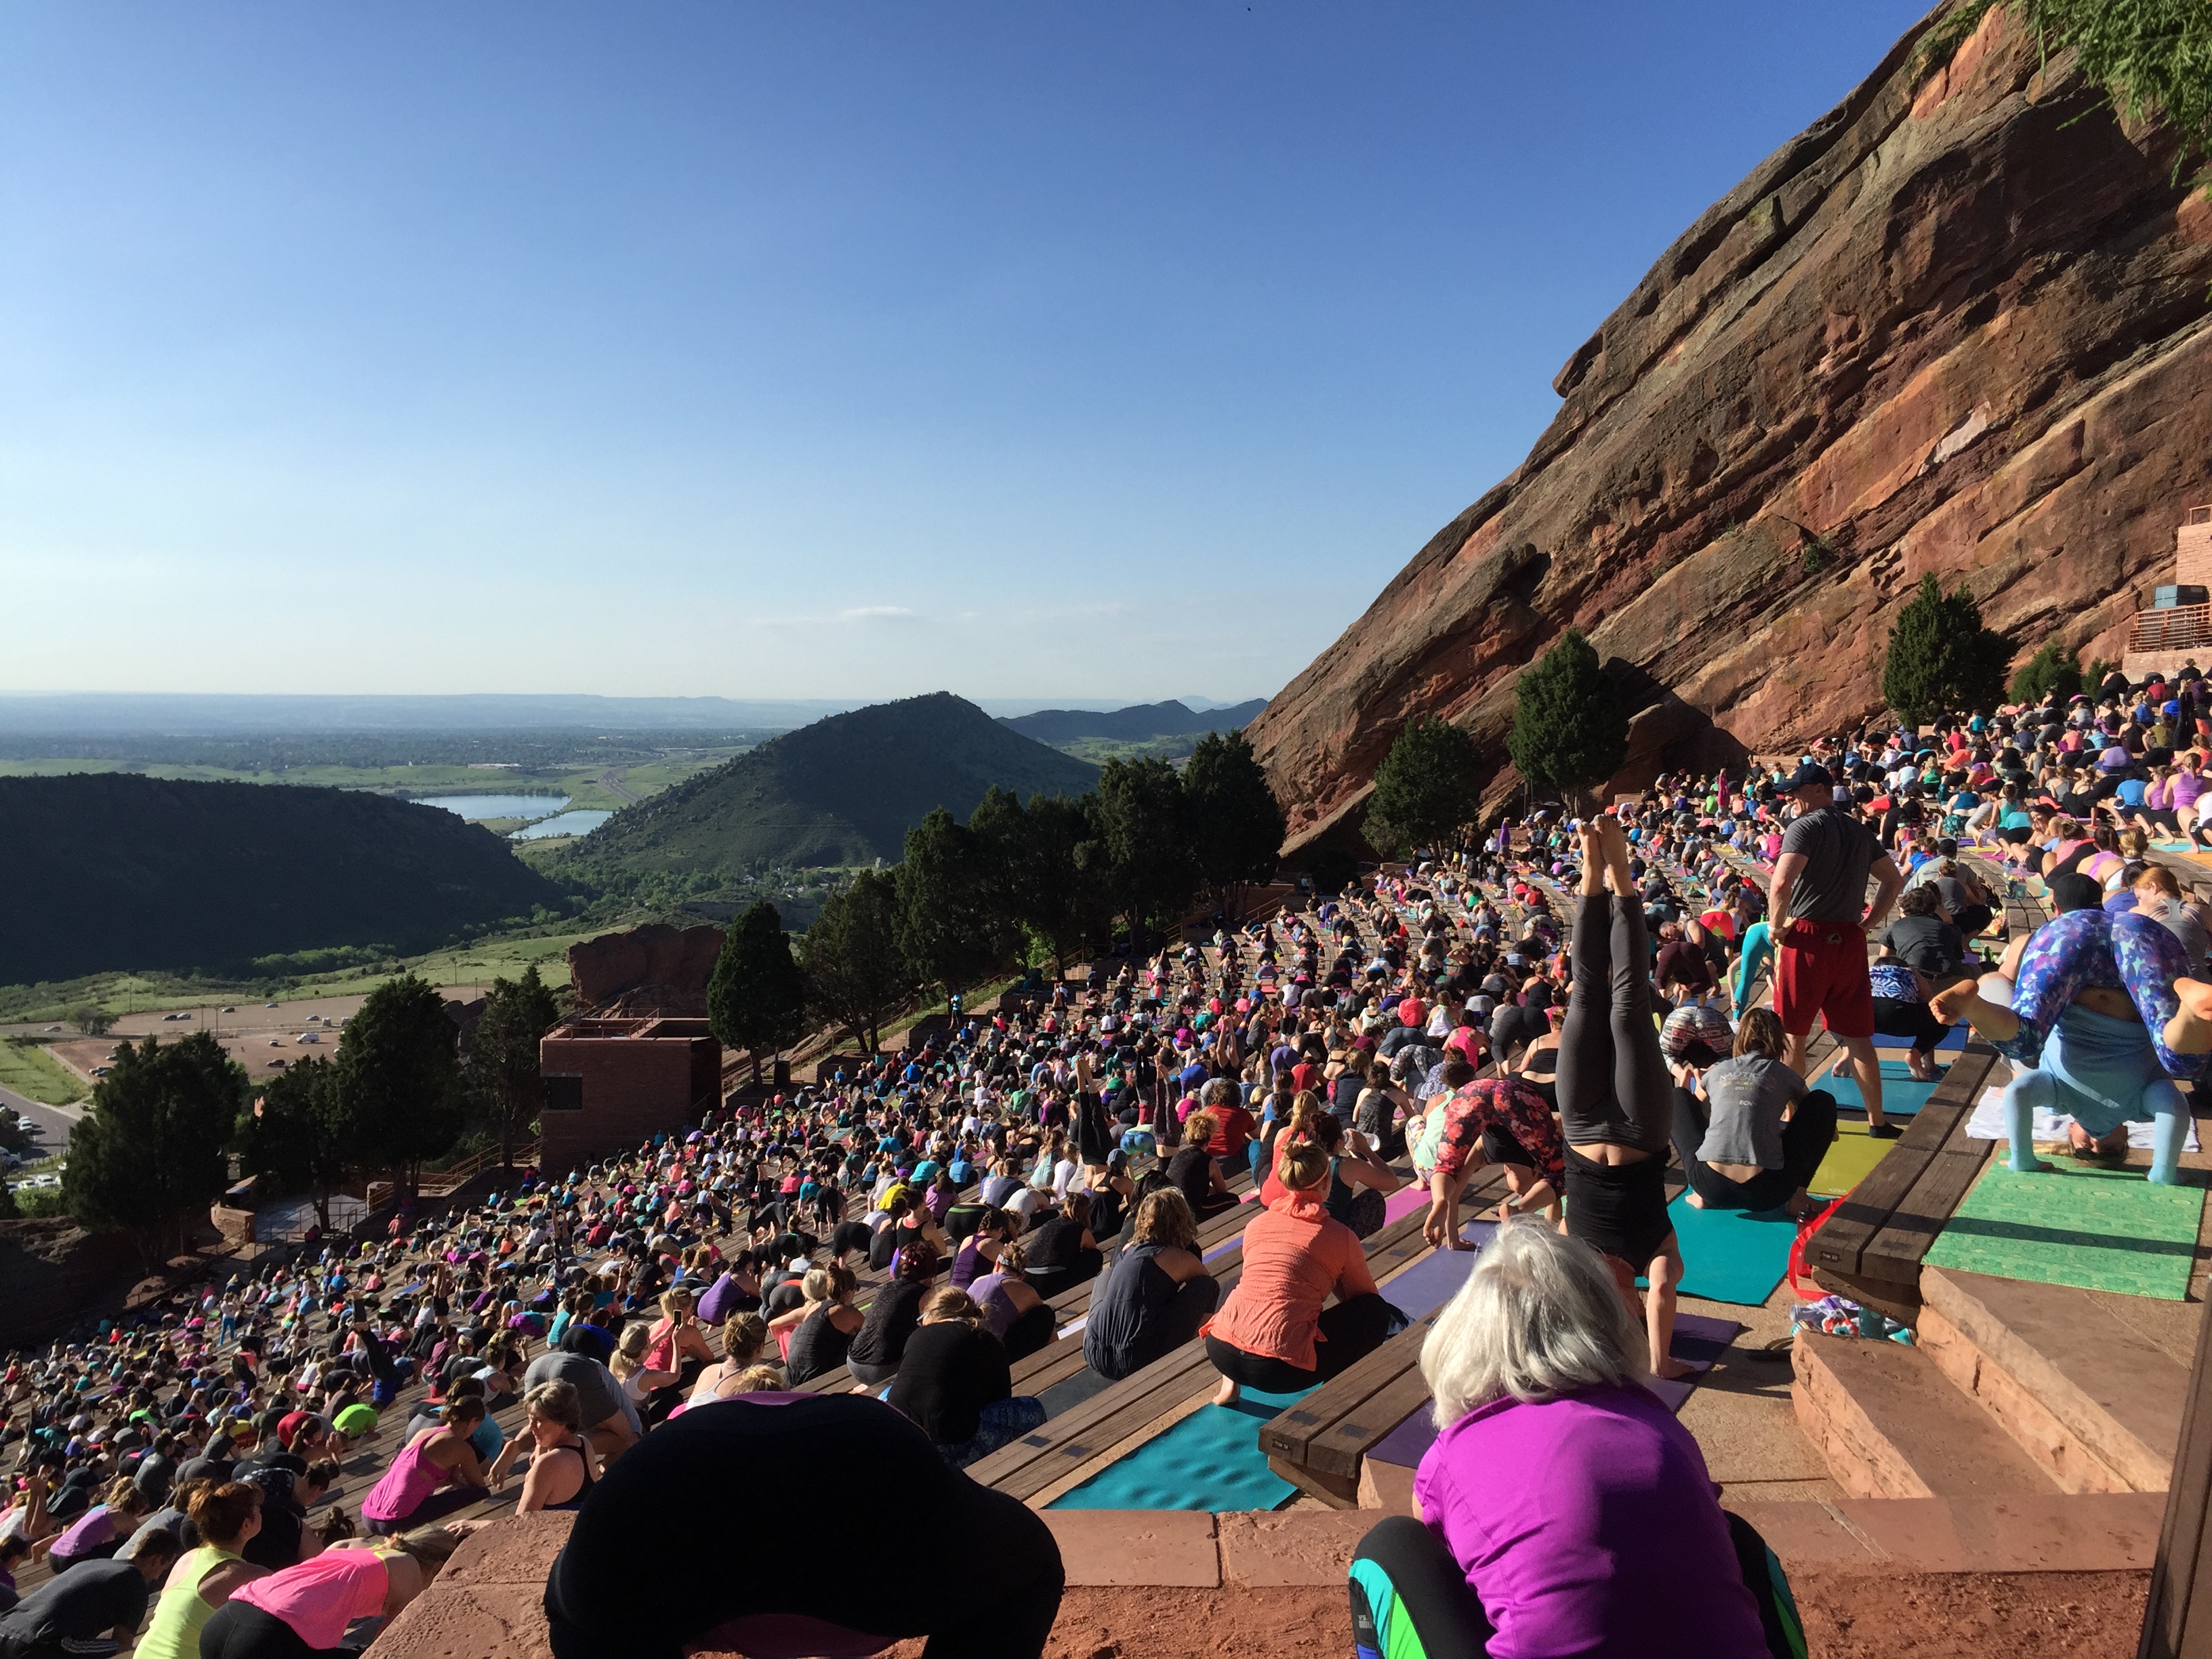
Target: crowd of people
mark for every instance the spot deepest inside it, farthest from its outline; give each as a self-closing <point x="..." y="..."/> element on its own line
<point x="829" y="1292"/>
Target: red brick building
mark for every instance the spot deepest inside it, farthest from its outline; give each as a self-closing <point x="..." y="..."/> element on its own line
<point x="611" y="1083"/>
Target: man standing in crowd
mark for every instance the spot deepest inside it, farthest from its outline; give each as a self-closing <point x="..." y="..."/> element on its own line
<point x="1818" y="900"/>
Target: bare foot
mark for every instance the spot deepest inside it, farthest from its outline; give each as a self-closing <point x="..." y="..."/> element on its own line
<point x="1671" y="1367"/>
<point x="1843" y="1066"/>
<point x="1226" y="1394"/>
<point x="1693" y="1199"/>
<point x="1923" y="1066"/>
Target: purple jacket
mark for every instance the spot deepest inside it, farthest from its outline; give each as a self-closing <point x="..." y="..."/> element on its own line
<point x="1588" y="1525"/>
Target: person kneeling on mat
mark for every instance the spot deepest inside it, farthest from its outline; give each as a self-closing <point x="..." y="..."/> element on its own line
<point x="1750" y="1134"/>
<point x="2103" y="1019"/>
<point x="627" y="1585"/>
<point x="1563" y="1507"/>
<point x="1271" y="1332"/>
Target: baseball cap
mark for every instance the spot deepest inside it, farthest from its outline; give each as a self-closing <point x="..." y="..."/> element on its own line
<point x="1811" y="775"/>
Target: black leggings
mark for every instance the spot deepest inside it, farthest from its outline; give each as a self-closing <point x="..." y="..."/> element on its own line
<point x="1352" y="1329"/>
<point x="849" y="1236"/>
<point x="1612" y="1082"/>
<point x="239" y="1629"/>
<point x="1805" y="1141"/>
<point x="632" y="1581"/>
<point x="1894" y="1017"/>
<point x="1031" y="1331"/>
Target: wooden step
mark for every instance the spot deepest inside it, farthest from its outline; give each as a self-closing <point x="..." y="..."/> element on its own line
<point x="1891" y="1425"/>
<point x="2095" y="1403"/>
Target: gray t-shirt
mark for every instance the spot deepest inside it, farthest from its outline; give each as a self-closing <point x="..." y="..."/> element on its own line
<point x="1746" y="1094"/>
<point x="1839" y="851"/>
<point x="597" y="1391"/>
<point x="2184" y="927"/>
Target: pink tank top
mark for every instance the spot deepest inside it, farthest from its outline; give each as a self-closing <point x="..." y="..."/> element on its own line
<point x="411" y="1478"/>
<point x="319" y="1598"/>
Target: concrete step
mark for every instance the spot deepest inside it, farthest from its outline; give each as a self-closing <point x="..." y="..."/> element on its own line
<point x="2093" y="1401"/>
<point x="1891" y="1425"/>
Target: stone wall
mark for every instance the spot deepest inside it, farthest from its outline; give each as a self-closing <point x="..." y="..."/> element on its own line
<point x="672" y="965"/>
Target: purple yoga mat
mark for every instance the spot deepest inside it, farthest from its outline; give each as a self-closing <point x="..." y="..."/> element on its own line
<point x="1697" y="1341"/>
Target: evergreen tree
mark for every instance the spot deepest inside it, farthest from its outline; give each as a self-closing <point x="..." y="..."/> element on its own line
<point x="855" y="973"/>
<point x="1145" y="832"/>
<point x="298" y="1136"/>
<point x="945" y="905"/>
<point x="757" y="1000"/>
<point x="1237" y="824"/>
<point x="399" y="1077"/>
<point x="2051" y="668"/>
<point x="1569" y="731"/>
<point x="1941" y="659"/>
<point x="148" y="1158"/>
<point x="1424" y="788"/>
<point x="503" y="1053"/>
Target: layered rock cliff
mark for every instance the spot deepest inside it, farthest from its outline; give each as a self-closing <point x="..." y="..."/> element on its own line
<point x="1961" y="325"/>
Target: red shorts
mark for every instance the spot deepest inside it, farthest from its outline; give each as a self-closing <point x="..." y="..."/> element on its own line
<point x="1821" y="968"/>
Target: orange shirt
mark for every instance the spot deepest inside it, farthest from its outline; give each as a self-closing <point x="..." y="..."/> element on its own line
<point x="1294" y="1256"/>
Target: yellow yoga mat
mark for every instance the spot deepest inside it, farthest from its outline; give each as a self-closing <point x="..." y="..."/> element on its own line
<point x="1849" y="1160"/>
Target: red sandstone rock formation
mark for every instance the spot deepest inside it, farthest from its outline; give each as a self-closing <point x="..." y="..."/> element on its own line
<point x="1961" y="325"/>
<point x="653" y="969"/>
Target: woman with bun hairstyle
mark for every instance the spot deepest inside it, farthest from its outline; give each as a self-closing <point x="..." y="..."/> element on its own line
<point x="228" y="1514"/>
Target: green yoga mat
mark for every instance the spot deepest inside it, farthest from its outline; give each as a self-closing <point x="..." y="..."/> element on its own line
<point x="1849" y="1160"/>
<point x="1210" y="1461"/>
<point x="1732" y="1255"/>
<point x="2096" y="1228"/>
<point x="1902" y="1094"/>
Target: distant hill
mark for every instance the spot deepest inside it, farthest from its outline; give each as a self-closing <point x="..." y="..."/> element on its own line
<point x="1134" y="724"/>
<point x="843" y="791"/>
<point x="111" y="871"/>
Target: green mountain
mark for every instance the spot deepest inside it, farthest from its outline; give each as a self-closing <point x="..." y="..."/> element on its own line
<point x="1135" y="724"/>
<point x="112" y="871"/>
<point x="843" y="791"/>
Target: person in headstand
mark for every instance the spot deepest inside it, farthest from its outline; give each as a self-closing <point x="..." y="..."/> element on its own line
<point x="1616" y="1096"/>
<point x="2102" y="1018"/>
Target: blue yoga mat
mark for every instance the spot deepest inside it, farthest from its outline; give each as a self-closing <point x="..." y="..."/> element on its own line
<point x="1210" y="1461"/>
<point x="1732" y="1255"/>
<point x="1902" y="1094"/>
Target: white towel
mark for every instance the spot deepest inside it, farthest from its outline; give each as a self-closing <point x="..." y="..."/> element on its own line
<point x="1988" y="1123"/>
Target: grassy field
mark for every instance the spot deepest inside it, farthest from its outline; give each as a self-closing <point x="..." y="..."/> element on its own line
<point x="504" y="957"/>
<point x="28" y="1069"/>
<point x="584" y="786"/>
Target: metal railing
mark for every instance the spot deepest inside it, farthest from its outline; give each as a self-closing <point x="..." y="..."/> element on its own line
<point x="2182" y="628"/>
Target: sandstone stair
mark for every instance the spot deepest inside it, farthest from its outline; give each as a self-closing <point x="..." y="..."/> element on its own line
<point x="2014" y="1389"/>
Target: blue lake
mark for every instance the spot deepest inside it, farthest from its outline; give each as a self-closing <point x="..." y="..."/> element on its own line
<point x="474" y="807"/>
<point x="581" y="821"/>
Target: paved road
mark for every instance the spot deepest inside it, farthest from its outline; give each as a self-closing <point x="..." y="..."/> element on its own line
<point x="52" y="1122"/>
<point x="613" y="783"/>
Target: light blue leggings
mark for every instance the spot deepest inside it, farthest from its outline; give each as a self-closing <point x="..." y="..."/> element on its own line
<point x="2161" y="1103"/>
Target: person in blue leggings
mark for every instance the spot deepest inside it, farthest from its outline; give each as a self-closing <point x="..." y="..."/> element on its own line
<point x="2100" y="1021"/>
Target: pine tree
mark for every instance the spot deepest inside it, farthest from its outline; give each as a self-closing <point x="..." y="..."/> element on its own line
<point x="503" y="1055"/>
<point x="297" y="1135"/>
<point x="1941" y="659"/>
<point x="399" y="1077"/>
<point x="2051" y="668"/>
<point x="1569" y="731"/>
<point x="1424" y="788"/>
<point x="148" y="1155"/>
<point x="757" y="1000"/>
<point x="1236" y="823"/>
<point x="855" y="973"/>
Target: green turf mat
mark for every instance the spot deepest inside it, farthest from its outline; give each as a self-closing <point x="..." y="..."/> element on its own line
<point x="2096" y="1229"/>
<point x="1210" y="1461"/>
<point x="1849" y="1160"/>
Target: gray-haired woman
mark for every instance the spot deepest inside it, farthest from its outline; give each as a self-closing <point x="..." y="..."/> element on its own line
<point x="1563" y="1507"/>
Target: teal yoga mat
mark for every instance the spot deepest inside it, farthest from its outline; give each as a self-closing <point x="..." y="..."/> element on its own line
<point x="1902" y="1094"/>
<point x="1210" y="1461"/>
<point x="1732" y="1255"/>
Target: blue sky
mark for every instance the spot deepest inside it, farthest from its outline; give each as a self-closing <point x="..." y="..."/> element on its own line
<point x="1071" y="351"/>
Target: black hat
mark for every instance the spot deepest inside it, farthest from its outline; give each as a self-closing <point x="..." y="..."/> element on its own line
<point x="1810" y="775"/>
